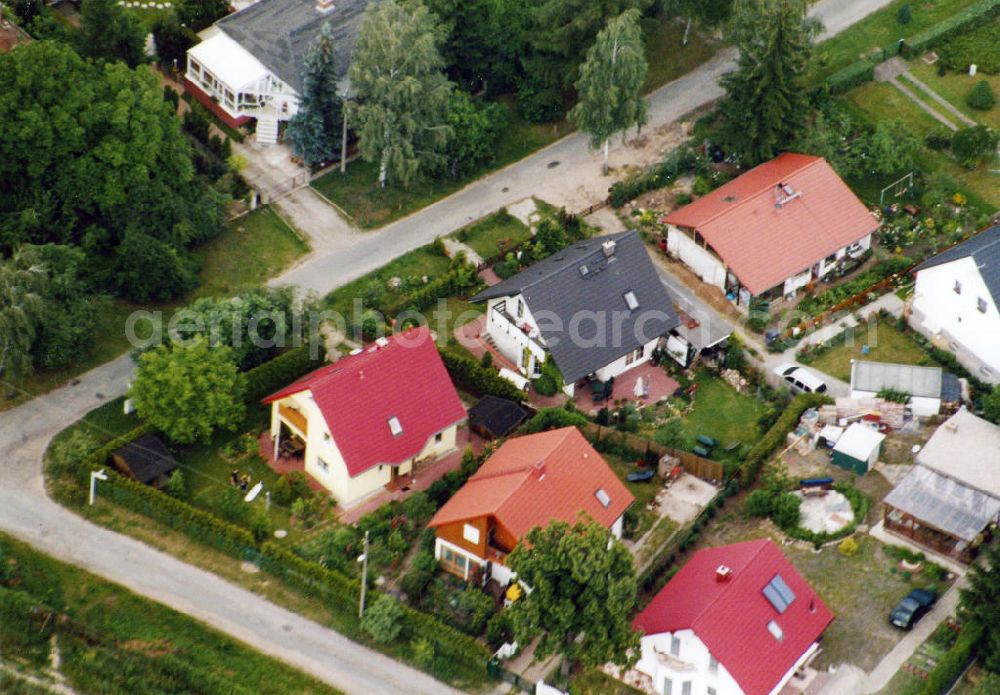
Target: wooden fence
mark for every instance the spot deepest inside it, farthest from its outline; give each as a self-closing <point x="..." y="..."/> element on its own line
<point x="698" y="466"/>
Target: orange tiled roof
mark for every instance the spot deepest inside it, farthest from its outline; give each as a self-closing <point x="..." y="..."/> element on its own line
<point x="764" y="244"/>
<point x="538" y="478"/>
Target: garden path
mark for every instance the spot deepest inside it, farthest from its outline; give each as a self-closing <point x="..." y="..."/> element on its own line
<point x="947" y="105"/>
<point x="911" y="95"/>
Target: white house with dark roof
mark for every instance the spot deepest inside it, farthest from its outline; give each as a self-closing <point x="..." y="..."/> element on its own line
<point x="955" y="302"/>
<point x="597" y="308"/>
<point x="249" y="64"/>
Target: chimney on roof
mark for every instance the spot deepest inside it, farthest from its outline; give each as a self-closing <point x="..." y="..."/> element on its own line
<point x="609" y="248"/>
<point x="324" y="6"/>
<point x="381" y="342"/>
<point x="951" y="426"/>
<point x="783" y="194"/>
<point x="723" y="573"/>
<point x="538" y="470"/>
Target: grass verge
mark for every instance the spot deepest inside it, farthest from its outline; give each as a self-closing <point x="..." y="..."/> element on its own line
<point x="885" y="343"/>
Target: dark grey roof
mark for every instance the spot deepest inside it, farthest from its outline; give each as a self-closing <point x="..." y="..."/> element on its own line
<point x="577" y="296"/>
<point x="279" y="33"/>
<point x="497" y="415"/>
<point x="147" y="457"/>
<point x="951" y="389"/>
<point x="984" y="249"/>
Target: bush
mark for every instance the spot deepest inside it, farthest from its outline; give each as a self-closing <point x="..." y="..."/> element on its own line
<point x="551" y="419"/>
<point x="383" y="619"/>
<point x="786" y="510"/>
<point x="499" y="630"/>
<point x="282" y="370"/>
<point x="682" y="160"/>
<point x="538" y="102"/>
<point x="973" y="145"/>
<point x="848" y="547"/>
<point x="423" y="653"/>
<point x="904" y="16"/>
<point x="545" y="385"/>
<point x="954" y="661"/>
<point x="762" y="450"/>
<point x="478" y="608"/>
<point x="177" y="486"/>
<point x="759" y="503"/>
<point x="939" y="139"/>
<point x="981" y="96"/>
<point x="195" y="122"/>
<point x="978" y="46"/>
<point x="282" y="491"/>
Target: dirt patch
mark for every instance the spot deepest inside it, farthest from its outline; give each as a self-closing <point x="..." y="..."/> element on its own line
<point x="150" y="648"/>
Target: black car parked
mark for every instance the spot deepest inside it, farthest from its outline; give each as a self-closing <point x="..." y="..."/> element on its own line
<point x="912" y="608"/>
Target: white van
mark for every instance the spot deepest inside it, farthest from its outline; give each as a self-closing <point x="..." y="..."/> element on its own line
<point x="800" y="380"/>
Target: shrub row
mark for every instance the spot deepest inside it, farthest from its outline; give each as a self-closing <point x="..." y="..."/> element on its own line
<point x="341" y="592"/>
<point x="466" y="657"/>
<point x="954" y="661"/>
<point x="479" y="379"/>
<point x="817" y="303"/>
<point x="974" y="14"/>
<point x="762" y="450"/>
<point x="854" y="75"/>
<point x="282" y="370"/>
<point x="681" y="160"/>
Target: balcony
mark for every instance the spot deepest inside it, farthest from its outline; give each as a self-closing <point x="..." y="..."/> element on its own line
<point x="502" y="318"/>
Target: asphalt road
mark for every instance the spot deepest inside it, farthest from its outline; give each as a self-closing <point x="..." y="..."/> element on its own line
<point x="27" y="513"/>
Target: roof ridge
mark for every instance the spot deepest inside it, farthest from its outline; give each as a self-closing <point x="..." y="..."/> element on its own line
<point x="561" y="268"/>
<point x="762" y="544"/>
<point x="754" y="196"/>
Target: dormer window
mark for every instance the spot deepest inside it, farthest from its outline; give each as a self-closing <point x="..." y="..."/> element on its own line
<point x="630" y="301"/>
<point x="981" y="305"/>
<point x="395" y="427"/>
<point x="957" y="287"/>
<point x="603" y="497"/>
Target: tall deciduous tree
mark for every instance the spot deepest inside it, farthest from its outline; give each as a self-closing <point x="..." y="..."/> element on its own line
<point x="189" y="391"/>
<point x="401" y="94"/>
<point x="315" y="130"/>
<point x="99" y="159"/>
<point x="198" y="14"/>
<point x="766" y="101"/>
<point x="109" y="32"/>
<point x="583" y="591"/>
<point x="980" y="603"/>
<point x="22" y="282"/>
<point x="610" y="83"/>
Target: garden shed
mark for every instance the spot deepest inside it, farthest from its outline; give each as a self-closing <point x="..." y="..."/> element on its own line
<point x="494" y="417"/>
<point x="146" y="460"/>
<point x="858" y="448"/>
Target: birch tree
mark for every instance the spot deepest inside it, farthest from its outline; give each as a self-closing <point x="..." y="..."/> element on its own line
<point x="610" y="82"/>
<point x="401" y="93"/>
<point x="22" y="281"/>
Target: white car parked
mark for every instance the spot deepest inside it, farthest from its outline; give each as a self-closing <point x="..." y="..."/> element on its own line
<point x="800" y="380"/>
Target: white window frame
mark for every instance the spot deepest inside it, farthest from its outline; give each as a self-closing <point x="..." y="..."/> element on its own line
<point x="471" y="534"/>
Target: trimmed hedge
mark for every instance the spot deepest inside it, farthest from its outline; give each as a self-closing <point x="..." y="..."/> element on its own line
<point x="954" y="661"/>
<point x="977" y="13"/>
<point x="341" y="592"/>
<point x="762" y="450"/>
<point x="459" y="281"/>
<point x="859" y="505"/>
<point x="479" y="379"/>
<point x="282" y="370"/>
<point x="684" y="159"/>
<point x="854" y="75"/>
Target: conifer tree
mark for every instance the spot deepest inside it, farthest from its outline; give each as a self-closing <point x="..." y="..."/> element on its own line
<point x="610" y="82"/>
<point x="766" y="101"/>
<point x="315" y="130"/>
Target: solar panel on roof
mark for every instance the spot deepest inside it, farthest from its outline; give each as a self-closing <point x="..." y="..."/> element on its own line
<point x="779" y="594"/>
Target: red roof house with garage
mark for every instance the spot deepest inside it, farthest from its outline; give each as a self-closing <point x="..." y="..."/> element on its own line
<point x="735" y="620"/>
<point x="773" y="230"/>
<point x="362" y="422"/>
<point x="529" y="481"/>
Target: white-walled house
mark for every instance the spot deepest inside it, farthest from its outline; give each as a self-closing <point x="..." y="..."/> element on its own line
<point x="596" y="308"/>
<point x="955" y="303"/>
<point x="529" y="481"/>
<point x="772" y="231"/>
<point x="249" y="64"/>
<point x="735" y="620"/>
<point x="365" y="421"/>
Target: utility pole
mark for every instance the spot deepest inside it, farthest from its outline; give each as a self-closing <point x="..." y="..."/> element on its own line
<point x="364" y="577"/>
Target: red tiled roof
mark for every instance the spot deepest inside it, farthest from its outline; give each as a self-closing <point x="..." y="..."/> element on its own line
<point x="538" y="478"/>
<point x="763" y="244"/>
<point x="731" y="617"/>
<point x="11" y="35"/>
<point x="358" y="394"/>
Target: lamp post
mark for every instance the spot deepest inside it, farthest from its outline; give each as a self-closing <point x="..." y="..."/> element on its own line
<point x="363" y="559"/>
<point x="94" y="477"/>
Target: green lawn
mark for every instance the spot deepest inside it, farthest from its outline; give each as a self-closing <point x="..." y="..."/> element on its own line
<point x="886" y="344"/>
<point x="485" y="235"/>
<point x="667" y="58"/>
<point x="955" y="86"/>
<point x="249" y="251"/>
<point x="133" y="644"/>
<point x="879" y="30"/>
<point x="880" y="101"/>
<point x="643" y="492"/>
<point x="722" y="413"/>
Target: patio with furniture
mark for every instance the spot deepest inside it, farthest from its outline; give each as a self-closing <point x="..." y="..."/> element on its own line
<point x="647" y="383"/>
